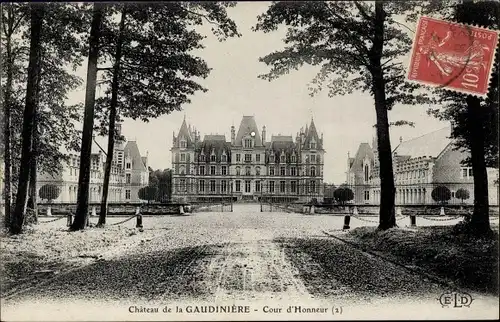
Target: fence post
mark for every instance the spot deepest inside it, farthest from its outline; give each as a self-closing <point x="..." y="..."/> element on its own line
<point x="413" y="220"/>
<point x="69" y="220"/>
<point x="181" y="209"/>
<point x="347" y="220"/>
<point x="312" y="209"/>
<point x="355" y="211"/>
<point x="441" y="213"/>
<point x="139" y="221"/>
<point x="49" y="212"/>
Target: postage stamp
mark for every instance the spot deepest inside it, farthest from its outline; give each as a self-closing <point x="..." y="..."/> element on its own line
<point x="453" y="56"/>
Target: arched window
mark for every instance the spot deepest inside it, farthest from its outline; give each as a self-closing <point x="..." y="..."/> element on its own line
<point x="238" y="171"/>
<point x="257" y="171"/>
<point x="247" y="171"/>
<point x="224" y="158"/>
<point x="313" y="171"/>
<point x="182" y="170"/>
<point x="367" y="173"/>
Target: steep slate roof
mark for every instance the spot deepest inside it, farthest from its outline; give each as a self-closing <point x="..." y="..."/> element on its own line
<point x="311" y="132"/>
<point x="248" y="125"/>
<point x="217" y="143"/>
<point x="364" y="150"/>
<point x="430" y="144"/>
<point x="133" y="150"/>
<point x="281" y="143"/>
<point x="185" y="133"/>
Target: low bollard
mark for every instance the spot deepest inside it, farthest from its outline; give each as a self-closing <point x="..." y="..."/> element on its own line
<point x="347" y="220"/>
<point x="69" y="220"/>
<point x="441" y="213"/>
<point x="139" y="221"/>
<point x="181" y="209"/>
<point x="413" y="220"/>
<point x="49" y="212"/>
<point x="312" y="210"/>
<point x="355" y="211"/>
<point x="93" y="214"/>
<point x="87" y="220"/>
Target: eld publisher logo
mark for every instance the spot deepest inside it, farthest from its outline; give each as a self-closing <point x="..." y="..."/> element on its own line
<point x="455" y="299"/>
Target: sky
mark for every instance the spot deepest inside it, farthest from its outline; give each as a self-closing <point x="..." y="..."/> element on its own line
<point x="283" y="105"/>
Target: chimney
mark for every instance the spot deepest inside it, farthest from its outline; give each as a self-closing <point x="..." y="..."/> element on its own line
<point x="263" y="134"/>
<point x="233" y="136"/>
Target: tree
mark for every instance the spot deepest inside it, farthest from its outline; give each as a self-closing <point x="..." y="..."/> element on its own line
<point x="343" y="195"/>
<point x="462" y="194"/>
<point x="441" y="194"/>
<point x="49" y="192"/>
<point x="153" y="69"/>
<point x="148" y="193"/>
<point x="88" y="120"/>
<point x="162" y="179"/>
<point x="475" y="119"/>
<point x="36" y="24"/>
<point x="359" y="46"/>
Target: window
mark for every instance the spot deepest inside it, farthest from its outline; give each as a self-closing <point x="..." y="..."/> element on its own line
<point x="238" y="157"/>
<point x="224" y="158"/>
<point x="201" y="184"/>
<point x="271" y="186"/>
<point x="257" y="157"/>
<point x="224" y="170"/>
<point x="202" y="170"/>
<point x="467" y="173"/>
<point x="312" y="145"/>
<point x="271" y="158"/>
<point x="238" y="171"/>
<point x="212" y="185"/>
<point x="127" y="194"/>
<point x="238" y="185"/>
<point x="293" y="186"/>
<point x="257" y="186"/>
<point x="318" y="158"/>
<point x="183" y="157"/>
<point x="271" y="171"/>
<point x="367" y="195"/>
<point x="313" y="171"/>
<point x="367" y="172"/>
<point x="313" y="158"/>
<point x="127" y="165"/>
<point x="248" y="143"/>
<point x="223" y="186"/>
<point x="183" y="170"/>
<point x="183" y="184"/>
<point x="283" y="158"/>
<point x="202" y="157"/>
<point x="294" y="158"/>
<point x="453" y="194"/>
<point x="283" y="171"/>
<point x="247" y="185"/>
<point x="212" y="158"/>
<point x="248" y="157"/>
<point x="257" y="171"/>
<point x="212" y="170"/>
<point x="293" y="171"/>
<point x="183" y="144"/>
<point x="127" y="178"/>
<point x="248" y="171"/>
<point x="312" y="186"/>
<point x="282" y="186"/>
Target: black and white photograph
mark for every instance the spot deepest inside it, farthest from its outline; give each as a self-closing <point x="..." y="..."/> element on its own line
<point x="249" y="160"/>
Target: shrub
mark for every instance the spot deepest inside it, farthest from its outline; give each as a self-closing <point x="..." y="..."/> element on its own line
<point x="49" y="192"/>
<point x="441" y="194"/>
<point x="147" y="193"/>
<point x="462" y="194"/>
<point x="343" y="195"/>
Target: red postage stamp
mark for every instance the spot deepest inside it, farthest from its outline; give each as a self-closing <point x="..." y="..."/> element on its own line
<point x="453" y="56"/>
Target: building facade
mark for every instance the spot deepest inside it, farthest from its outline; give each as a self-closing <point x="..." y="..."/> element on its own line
<point x="129" y="173"/>
<point x="249" y="166"/>
<point x="420" y="165"/>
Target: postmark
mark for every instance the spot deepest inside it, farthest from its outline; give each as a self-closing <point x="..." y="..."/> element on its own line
<point x="452" y="56"/>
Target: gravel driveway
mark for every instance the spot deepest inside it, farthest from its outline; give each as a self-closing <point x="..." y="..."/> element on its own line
<point x="239" y="257"/>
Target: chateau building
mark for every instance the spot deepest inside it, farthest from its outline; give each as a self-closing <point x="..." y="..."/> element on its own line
<point x="249" y="166"/>
<point x="129" y="173"/>
<point x="420" y="165"/>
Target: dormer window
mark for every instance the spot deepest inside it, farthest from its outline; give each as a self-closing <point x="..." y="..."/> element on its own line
<point x="183" y="144"/>
<point x="283" y="158"/>
<point x="128" y="165"/>
<point x="224" y="158"/>
<point x="294" y="159"/>
<point x="212" y="158"/>
<point x="247" y="143"/>
<point x="312" y="145"/>
<point x="202" y="157"/>
<point x="271" y="158"/>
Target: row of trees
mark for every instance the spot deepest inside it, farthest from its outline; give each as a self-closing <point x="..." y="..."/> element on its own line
<point x="143" y="54"/>
<point x="359" y="47"/>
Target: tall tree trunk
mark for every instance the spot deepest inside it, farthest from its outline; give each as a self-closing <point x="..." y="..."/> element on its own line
<point x="7" y="118"/>
<point x="37" y="13"/>
<point x="480" y="221"/>
<point x="387" y="216"/>
<point x="112" y="121"/>
<point x="82" y="207"/>
<point x="33" y="165"/>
